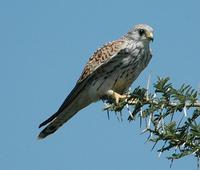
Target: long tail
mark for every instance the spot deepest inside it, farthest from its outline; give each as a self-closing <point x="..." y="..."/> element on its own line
<point x="55" y="124"/>
<point x="58" y="119"/>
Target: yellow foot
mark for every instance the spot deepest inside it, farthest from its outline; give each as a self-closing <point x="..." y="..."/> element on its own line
<point x="116" y="96"/>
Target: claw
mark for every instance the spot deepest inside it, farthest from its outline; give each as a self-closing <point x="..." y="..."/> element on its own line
<point x="116" y="96"/>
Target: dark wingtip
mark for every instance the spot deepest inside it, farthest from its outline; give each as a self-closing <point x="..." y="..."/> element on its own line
<point x="42" y="124"/>
<point x="49" y="119"/>
<point x="47" y="131"/>
<point x="45" y="122"/>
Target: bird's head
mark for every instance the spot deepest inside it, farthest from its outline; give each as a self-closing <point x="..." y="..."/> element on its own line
<point x="141" y="32"/>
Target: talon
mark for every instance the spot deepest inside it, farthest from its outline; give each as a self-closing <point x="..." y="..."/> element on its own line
<point x="116" y="96"/>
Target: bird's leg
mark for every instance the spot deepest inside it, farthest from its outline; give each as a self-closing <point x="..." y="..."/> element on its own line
<point x="116" y="96"/>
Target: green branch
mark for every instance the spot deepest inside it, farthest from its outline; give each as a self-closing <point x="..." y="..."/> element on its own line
<point x="170" y="115"/>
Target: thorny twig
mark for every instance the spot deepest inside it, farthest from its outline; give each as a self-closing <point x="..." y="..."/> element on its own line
<point x="181" y="136"/>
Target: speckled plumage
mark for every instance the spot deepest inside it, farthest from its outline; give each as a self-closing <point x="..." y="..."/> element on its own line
<point x="100" y="56"/>
<point x="109" y="73"/>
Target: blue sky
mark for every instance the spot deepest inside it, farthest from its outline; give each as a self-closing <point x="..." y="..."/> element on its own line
<point x="43" y="48"/>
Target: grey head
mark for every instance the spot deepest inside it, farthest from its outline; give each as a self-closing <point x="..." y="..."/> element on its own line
<point x="140" y="32"/>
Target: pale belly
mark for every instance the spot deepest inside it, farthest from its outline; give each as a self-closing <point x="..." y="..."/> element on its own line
<point x="119" y="81"/>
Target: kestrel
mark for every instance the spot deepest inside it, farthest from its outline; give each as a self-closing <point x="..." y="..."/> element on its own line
<point x="108" y="74"/>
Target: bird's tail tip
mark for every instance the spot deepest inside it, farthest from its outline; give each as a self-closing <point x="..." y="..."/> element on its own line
<point x="50" y="129"/>
<point x="41" y="136"/>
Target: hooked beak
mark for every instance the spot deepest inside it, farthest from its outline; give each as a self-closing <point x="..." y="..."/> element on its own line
<point x="149" y="35"/>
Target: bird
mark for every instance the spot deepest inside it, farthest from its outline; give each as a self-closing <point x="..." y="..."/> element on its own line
<point x="108" y="74"/>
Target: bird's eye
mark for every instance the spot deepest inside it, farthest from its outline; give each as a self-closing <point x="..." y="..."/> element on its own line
<point x="141" y="32"/>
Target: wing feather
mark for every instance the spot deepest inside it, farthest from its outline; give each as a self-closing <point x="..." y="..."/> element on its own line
<point x="98" y="60"/>
<point x="101" y="57"/>
<point x="75" y="91"/>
